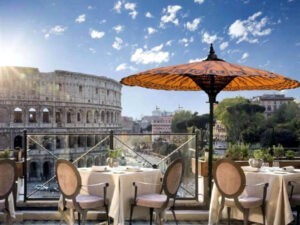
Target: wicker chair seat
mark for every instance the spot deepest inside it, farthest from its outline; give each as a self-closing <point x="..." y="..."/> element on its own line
<point x="152" y="200"/>
<point x="246" y="202"/>
<point x="86" y="202"/>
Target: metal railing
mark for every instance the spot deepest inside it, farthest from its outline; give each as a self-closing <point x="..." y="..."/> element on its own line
<point x="88" y="149"/>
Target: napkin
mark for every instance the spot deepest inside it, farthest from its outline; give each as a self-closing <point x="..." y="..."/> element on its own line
<point x="288" y="168"/>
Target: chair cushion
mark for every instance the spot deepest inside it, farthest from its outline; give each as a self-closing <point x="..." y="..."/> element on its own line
<point x="246" y="201"/>
<point x="152" y="200"/>
<point x="295" y="199"/>
<point x="86" y="202"/>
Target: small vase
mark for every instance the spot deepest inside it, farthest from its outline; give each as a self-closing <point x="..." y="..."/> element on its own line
<point x="257" y="163"/>
<point x="112" y="162"/>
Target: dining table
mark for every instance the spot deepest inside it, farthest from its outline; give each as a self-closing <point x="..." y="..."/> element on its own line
<point x="278" y="208"/>
<point x="120" y="190"/>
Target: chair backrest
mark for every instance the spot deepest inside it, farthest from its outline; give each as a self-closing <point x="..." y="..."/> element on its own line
<point x="173" y="177"/>
<point x="8" y="177"/>
<point x="68" y="178"/>
<point x="229" y="178"/>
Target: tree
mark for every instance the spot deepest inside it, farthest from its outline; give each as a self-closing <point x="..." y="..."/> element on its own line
<point x="179" y="121"/>
<point x="241" y="118"/>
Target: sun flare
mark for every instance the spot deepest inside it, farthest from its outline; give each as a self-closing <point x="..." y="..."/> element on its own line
<point x="10" y="57"/>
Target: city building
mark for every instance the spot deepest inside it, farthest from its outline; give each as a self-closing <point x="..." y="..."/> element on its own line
<point x="271" y="102"/>
<point x="56" y="102"/>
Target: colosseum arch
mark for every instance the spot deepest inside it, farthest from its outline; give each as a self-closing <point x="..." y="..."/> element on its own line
<point x="96" y="116"/>
<point x="111" y="117"/>
<point x="70" y="116"/>
<point x="102" y="117"/>
<point x="46" y="115"/>
<point x="90" y="140"/>
<point x="18" y="142"/>
<point x="33" y="170"/>
<point x="18" y="115"/>
<point x="46" y="170"/>
<point x="32" y="115"/>
<point x="89" y="116"/>
<point x="79" y="116"/>
<point x="81" y="163"/>
<point x="107" y="117"/>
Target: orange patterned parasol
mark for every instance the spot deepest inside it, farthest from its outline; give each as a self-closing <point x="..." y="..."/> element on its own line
<point x="212" y="76"/>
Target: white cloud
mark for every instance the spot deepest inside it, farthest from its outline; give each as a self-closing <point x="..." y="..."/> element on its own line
<point x="169" y="43"/>
<point x="192" y="26"/>
<point x="224" y="45"/>
<point x="199" y="1"/>
<point x="102" y="21"/>
<point x="245" y="56"/>
<point x="90" y="7"/>
<point x="117" y="43"/>
<point x="154" y="55"/>
<point x="197" y="60"/>
<point x="249" y="30"/>
<point x="148" y="15"/>
<point x="131" y="7"/>
<point x="118" y="28"/>
<point x="124" y="66"/>
<point x="56" y="30"/>
<point x="96" y="34"/>
<point x="80" y="18"/>
<point x="186" y="42"/>
<point x="207" y="38"/>
<point x="92" y="50"/>
<point x="170" y="15"/>
<point x="118" y="6"/>
<point x="151" y="30"/>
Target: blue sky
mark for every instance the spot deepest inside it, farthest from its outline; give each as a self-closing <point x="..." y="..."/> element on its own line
<point x="117" y="38"/>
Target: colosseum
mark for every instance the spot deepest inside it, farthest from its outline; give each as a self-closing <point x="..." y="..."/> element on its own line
<point x="56" y="102"/>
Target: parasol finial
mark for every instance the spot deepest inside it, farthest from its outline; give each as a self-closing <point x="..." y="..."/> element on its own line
<point x="212" y="55"/>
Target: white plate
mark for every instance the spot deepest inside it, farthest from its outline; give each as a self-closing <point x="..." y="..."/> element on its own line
<point x="100" y="168"/>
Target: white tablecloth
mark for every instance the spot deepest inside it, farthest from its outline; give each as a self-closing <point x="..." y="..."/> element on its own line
<point x="278" y="209"/>
<point x="120" y="189"/>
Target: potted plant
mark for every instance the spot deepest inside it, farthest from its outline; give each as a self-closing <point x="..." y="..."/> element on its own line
<point x="112" y="157"/>
<point x="278" y="151"/>
<point x="4" y="154"/>
<point x="257" y="159"/>
<point x="289" y="154"/>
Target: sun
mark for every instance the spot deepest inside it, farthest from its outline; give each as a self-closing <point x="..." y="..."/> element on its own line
<point x="10" y="56"/>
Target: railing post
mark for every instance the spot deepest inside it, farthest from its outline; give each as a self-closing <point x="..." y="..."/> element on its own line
<point x="111" y="139"/>
<point x="197" y="142"/>
<point x="25" y="164"/>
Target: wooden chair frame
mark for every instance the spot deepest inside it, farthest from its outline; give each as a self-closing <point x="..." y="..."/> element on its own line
<point x="235" y="195"/>
<point x="164" y="189"/>
<point x="76" y="192"/>
<point x="291" y="185"/>
<point x="4" y="196"/>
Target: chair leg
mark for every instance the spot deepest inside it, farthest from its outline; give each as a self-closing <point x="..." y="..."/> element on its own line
<point x="151" y="215"/>
<point x="172" y="209"/>
<point x="228" y="215"/>
<point x="78" y="215"/>
<point x="84" y="217"/>
<point x="7" y="218"/>
<point x="131" y="213"/>
<point x="298" y="215"/>
<point x="246" y="216"/>
<point x="107" y="216"/>
<point x="263" y="209"/>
